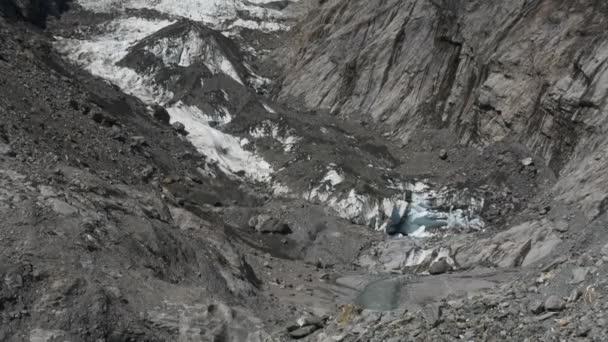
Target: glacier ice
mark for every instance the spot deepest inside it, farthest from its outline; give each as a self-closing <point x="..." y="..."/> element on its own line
<point x="415" y="212"/>
<point x="223" y="148"/>
<point x="212" y="12"/>
<point x="285" y="137"/>
<point x="100" y="55"/>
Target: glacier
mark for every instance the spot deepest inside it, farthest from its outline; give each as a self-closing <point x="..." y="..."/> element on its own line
<point x="100" y="55"/>
<point x="412" y="211"/>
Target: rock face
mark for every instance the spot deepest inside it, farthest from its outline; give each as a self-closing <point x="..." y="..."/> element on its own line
<point x="35" y="11"/>
<point x="519" y="246"/>
<point x="531" y="71"/>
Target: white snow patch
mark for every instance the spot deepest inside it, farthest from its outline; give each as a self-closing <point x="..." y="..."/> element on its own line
<point x="270" y="129"/>
<point x="421" y="233"/>
<point x="258" y="25"/>
<point x="279" y="189"/>
<point x="333" y="177"/>
<point x="269" y="109"/>
<point x="225" y="149"/>
<point x="326" y="187"/>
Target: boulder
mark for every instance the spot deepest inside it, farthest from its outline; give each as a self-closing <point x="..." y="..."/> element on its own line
<point x="562" y="226"/>
<point x="432" y="315"/>
<point x="440" y="266"/>
<point x="303" y="331"/>
<point x="305" y="326"/>
<point x="579" y="274"/>
<point x="6" y="150"/>
<point x="527" y="161"/>
<point x="575" y="295"/>
<point x="179" y="128"/>
<point x="311" y="320"/>
<point x="266" y="224"/>
<point x="103" y="119"/>
<point x="536" y="307"/>
<point x="161" y="114"/>
<point x="147" y="172"/>
<point x="554" y="303"/>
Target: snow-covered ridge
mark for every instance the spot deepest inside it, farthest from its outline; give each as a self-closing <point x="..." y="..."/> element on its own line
<point x="187" y="49"/>
<point x="221" y="14"/>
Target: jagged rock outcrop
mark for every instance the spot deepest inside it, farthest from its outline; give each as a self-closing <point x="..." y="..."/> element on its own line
<point x="532" y="71"/>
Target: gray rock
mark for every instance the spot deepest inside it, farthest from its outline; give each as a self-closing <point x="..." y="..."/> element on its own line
<point x="536" y="307"/>
<point x="443" y="154"/>
<point x="527" y="161"/>
<point x="456" y="304"/>
<point x="266" y="224"/>
<point x="303" y="331"/>
<point x="562" y="226"/>
<point x="161" y="114"/>
<point x="575" y="295"/>
<point x="138" y="141"/>
<point x="605" y="250"/>
<point x="62" y="207"/>
<point x="6" y="150"/>
<point x="179" y="128"/>
<point x="545" y="316"/>
<point x="440" y="266"/>
<point x="147" y="172"/>
<point x="579" y="274"/>
<point x="311" y="320"/>
<point x="432" y="315"/>
<point x="103" y="119"/>
<point x="554" y="303"/>
<point x="13" y="281"/>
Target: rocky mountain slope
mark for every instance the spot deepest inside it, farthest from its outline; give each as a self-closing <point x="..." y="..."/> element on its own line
<point x="303" y="170"/>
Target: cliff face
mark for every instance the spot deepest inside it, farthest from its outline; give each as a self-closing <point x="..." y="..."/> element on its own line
<point x="530" y="71"/>
<point x="34" y="11"/>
